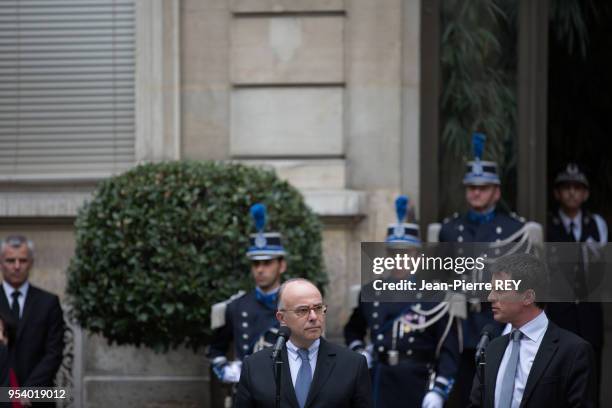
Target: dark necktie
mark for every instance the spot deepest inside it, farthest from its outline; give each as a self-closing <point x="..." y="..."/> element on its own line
<point x="15" y="305"/>
<point x="580" y="283"/>
<point x="571" y="231"/>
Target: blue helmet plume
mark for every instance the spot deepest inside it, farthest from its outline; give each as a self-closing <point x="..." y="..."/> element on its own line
<point x="401" y="207"/>
<point x="478" y="141"/>
<point x="258" y="212"/>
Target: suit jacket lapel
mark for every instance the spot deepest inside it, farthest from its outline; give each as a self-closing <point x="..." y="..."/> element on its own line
<point x="30" y="301"/>
<point x="286" y="381"/>
<point x="545" y="353"/>
<point x="4" y="305"/>
<point x="326" y="360"/>
<point x="495" y="353"/>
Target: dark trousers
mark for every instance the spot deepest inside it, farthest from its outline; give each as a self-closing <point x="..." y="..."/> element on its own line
<point x="401" y="386"/>
<point x="460" y="395"/>
<point x="598" y="356"/>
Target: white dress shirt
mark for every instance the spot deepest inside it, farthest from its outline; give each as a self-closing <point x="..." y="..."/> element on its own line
<point x="602" y="227"/>
<point x="577" y="220"/>
<point x="295" y="361"/>
<point x="8" y="291"/>
<point x="533" y="333"/>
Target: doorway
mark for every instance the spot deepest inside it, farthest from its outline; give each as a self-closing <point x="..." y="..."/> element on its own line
<point x="579" y="119"/>
<point x="580" y="104"/>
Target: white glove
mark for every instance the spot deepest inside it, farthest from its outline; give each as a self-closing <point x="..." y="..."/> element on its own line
<point x="433" y="400"/>
<point x="368" y="357"/>
<point x="231" y="372"/>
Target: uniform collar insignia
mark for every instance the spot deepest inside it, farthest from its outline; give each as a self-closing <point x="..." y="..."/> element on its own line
<point x="268" y="299"/>
<point x="481" y="218"/>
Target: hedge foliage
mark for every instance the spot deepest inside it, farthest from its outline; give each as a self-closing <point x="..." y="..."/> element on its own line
<point x="159" y="244"/>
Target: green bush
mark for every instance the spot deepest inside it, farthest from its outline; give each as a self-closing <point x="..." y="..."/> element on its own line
<point x="158" y="245"/>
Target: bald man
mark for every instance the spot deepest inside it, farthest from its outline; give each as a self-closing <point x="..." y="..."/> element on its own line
<point x="315" y="373"/>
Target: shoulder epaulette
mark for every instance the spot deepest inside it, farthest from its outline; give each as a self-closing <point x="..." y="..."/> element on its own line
<point x="452" y="217"/>
<point x="354" y="296"/>
<point x="217" y="311"/>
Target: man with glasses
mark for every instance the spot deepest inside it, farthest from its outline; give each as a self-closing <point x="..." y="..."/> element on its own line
<point x="315" y="373"/>
<point x="39" y="344"/>
<point x="248" y="320"/>
<point x="413" y="353"/>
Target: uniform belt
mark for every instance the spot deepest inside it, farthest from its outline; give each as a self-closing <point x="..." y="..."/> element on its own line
<point x="423" y="357"/>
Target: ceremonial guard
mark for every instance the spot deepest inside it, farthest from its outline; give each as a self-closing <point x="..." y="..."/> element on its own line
<point x="571" y="223"/>
<point x="483" y="222"/>
<point x="413" y="349"/>
<point x="248" y="319"/>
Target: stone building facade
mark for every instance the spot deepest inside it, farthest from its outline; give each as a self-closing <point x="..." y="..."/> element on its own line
<point x="327" y="92"/>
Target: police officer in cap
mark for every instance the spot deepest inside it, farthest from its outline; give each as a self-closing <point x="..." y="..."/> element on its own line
<point x="483" y="222"/>
<point x="572" y="223"/>
<point x="413" y="352"/>
<point x="248" y="319"/>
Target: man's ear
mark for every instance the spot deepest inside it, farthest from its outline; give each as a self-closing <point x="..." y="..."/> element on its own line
<point x="530" y="297"/>
<point x="280" y="316"/>
<point x="283" y="265"/>
<point x="557" y="194"/>
<point x="497" y="193"/>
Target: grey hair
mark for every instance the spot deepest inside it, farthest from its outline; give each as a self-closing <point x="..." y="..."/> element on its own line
<point x="16" y="241"/>
<point x="287" y="283"/>
<point x="529" y="269"/>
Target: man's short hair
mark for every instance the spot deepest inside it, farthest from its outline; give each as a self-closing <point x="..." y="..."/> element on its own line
<point x="16" y="241"/>
<point x="527" y="268"/>
<point x="286" y="283"/>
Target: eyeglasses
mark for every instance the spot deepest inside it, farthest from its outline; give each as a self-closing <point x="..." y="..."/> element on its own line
<point x="305" y="310"/>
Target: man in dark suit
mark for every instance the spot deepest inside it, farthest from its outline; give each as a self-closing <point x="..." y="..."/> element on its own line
<point x="37" y="351"/>
<point x="315" y="373"/>
<point x="537" y="364"/>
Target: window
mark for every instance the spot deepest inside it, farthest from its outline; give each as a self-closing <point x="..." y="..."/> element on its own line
<point x="67" y="88"/>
